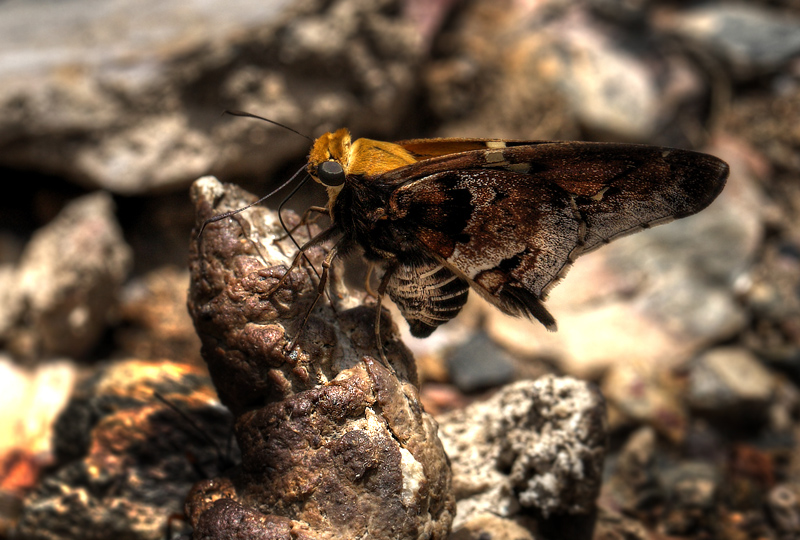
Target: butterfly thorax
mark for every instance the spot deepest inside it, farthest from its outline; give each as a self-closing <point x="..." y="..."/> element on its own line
<point x="357" y="205"/>
<point x="365" y="159"/>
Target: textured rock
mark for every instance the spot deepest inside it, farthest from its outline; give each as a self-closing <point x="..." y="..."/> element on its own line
<point x="125" y="459"/>
<point x="536" y="445"/>
<point x="334" y="443"/>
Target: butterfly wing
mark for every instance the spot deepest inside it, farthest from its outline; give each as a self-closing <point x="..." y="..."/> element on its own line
<point x="510" y="221"/>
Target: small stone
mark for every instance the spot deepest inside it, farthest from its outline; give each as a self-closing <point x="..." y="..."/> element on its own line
<point x="634" y="487"/>
<point x="155" y="323"/>
<point x="751" y="39"/>
<point x="609" y="89"/>
<point x="480" y="363"/>
<point x="489" y="526"/>
<point x="784" y="507"/>
<point x="692" y="491"/>
<point x="644" y="398"/>
<point x="731" y="381"/>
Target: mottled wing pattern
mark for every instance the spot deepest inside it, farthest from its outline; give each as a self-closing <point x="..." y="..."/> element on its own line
<point x="512" y="226"/>
<point x="427" y="294"/>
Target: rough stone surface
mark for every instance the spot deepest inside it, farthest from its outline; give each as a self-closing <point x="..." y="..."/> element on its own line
<point x="537" y="445"/>
<point x="125" y="460"/>
<point x="58" y="298"/>
<point x="334" y="443"/>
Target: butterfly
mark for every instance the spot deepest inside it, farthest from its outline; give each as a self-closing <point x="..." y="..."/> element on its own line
<point x="503" y="218"/>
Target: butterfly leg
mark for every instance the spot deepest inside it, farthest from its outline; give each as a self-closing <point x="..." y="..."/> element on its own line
<point x="379" y="297"/>
<point x="367" y="279"/>
<point x="321" y="290"/>
<point x="301" y="254"/>
<point x="304" y="220"/>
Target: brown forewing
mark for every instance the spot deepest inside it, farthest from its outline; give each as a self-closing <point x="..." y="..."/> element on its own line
<point x="511" y="220"/>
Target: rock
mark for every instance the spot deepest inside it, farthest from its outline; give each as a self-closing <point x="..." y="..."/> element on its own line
<point x="784" y="507"/>
<point x="613" y="526"/>
<point x="59" y="296"/>
<point x="125" y="459"/>
<point x="155" y="323"/>
<point x="609" y="89"/>
<point x="765" y="121"/>
<point x="129" y="98"/>
<point x="535" y="445"/>
<point x="487" y="526"/>
<point x="480" y="363"/>
<point x="335" y="443"/>
<point x="486" y="82"/>
<point x="30" y="400"/>
<point x="634" y="487"/>
<point x="692" y="489"/>
<point x="732" y="383"/>
<point x="751" y="39"/>
<point x="640" y="394"/>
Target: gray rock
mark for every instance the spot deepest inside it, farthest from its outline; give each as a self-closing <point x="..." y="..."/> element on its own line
<point x="536" y="444"/>
<point x="608" y="88"/>
<point x="128" y="96"/>
<point x="784" y="507"/>
<point x="56" y="301"/>
<point x="752" y="40"/>
<point x="730" y="381"/>
<point x="479" y="363"/>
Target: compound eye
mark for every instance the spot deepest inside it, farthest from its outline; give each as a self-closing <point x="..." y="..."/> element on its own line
<point x="330" y="173"/>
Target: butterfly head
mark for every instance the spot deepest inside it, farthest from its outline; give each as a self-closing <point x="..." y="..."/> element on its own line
<point x="328" y="161"/>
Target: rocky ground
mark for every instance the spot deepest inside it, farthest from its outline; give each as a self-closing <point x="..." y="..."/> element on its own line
<point x="666" y="406"/>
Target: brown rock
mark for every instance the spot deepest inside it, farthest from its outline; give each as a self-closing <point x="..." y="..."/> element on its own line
<point x="334" y="443"/>
<point x="125" y="460"/>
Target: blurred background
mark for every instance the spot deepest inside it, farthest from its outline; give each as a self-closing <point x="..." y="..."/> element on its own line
<point x="110" y="109"/>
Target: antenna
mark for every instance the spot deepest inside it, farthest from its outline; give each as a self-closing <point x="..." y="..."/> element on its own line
<point x="273" y="122"/>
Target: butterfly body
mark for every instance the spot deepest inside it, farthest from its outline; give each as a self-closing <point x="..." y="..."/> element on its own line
<point x="504" y="218"/>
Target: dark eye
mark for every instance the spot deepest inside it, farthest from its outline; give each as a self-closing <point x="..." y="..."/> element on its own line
<point x="331" y="173"/>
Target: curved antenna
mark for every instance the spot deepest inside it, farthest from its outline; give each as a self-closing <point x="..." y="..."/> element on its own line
<point x="270" y="194"/>
<point x="273" y="122"/>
